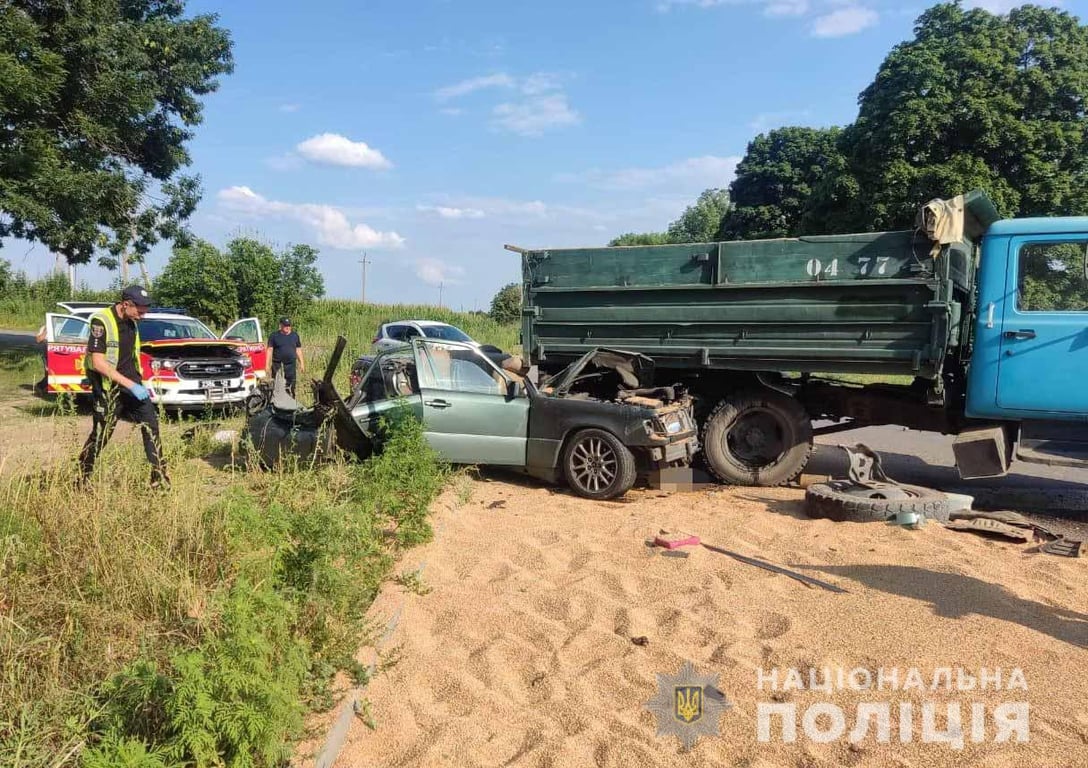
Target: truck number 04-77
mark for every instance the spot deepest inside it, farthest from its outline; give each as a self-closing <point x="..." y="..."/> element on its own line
<point x="867" y="265"/>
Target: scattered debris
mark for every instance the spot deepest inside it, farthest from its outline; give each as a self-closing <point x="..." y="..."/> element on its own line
<point x="1063" y="547"/>
<point x="870" y="495"/>
<point x="497" y="504"/>
<point x="674" y="553"/>
<point x="675" y="540"/>
<point x="806" y="580"/>
<point x="641" y="640"/>
<point x="1013" y="525"/>
<point x="668" y="540"/>
<point x="537" y="680"/>
<point x="990" y="526"/>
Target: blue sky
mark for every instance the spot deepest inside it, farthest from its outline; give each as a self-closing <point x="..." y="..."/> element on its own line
<point x="428" y="133"/>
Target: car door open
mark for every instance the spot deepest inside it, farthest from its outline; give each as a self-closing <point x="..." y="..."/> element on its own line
<point x="66" y="340"/>
<point x="471" y="414"/>
<point x="248" y="331"/>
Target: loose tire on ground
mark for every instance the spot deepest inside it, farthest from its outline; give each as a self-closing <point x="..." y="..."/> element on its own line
<point x="757" y="438"/>
<point x="833" y="501"/>
<point x="597" y="465"/>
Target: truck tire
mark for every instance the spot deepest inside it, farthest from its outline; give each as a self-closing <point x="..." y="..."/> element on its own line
<point x="843" y="501"/>
<point x="597" y="465"/>
<point x="757" y="438"/>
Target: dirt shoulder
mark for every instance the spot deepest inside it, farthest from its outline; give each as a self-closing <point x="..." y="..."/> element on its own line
<point x="521" y="653"/>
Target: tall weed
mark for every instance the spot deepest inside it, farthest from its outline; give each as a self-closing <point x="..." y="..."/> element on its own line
<point x="192" y="628"/>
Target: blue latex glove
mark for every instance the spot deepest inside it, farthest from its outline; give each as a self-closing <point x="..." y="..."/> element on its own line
<point x="139" y="391"/>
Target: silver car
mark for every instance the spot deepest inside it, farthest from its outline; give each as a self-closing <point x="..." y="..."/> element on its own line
<point x="399" y="334"/>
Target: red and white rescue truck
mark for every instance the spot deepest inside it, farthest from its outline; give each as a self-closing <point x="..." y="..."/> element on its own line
<point x="184" y="365"/>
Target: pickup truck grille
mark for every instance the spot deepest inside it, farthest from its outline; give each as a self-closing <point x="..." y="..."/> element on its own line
<point x="212" y="369"/>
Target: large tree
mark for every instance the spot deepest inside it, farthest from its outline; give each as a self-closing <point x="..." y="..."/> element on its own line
<point x="775" y="180"/>
<point x="98" y="99"/>
<point x="973" y="100"/>
<point x="640" y="238"/>
<point x="249" y="279"/>
<point x="702" y="220"/>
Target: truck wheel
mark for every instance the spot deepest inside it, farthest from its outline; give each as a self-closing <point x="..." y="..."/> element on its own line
<point x="843" y="501"/>
<point x="757" y="438"/>
<point x="597" y="465"/>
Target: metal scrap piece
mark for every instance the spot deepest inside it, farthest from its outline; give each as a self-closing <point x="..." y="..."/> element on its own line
<point x="1063" y="547"/>
<point x="987" y="525"/>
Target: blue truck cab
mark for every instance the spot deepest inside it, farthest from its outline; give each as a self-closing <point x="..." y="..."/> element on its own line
<point x="1028" y="369"/>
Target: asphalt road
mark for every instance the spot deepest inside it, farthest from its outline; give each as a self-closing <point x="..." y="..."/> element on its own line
<point x="16" y="339"/>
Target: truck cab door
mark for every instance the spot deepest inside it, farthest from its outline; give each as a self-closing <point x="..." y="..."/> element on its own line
<point x="471" y="415"/>
<point x="66" y="345"/>
<point x="1043" y="358"/>
<point x="248" y="331"/>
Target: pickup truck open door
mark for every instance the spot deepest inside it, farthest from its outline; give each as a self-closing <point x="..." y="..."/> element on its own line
<point x="248" y="330"/>
<point x="66" y="340"/>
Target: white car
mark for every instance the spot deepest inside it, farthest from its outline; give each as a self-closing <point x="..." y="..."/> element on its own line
<point x="399" y="334"/>
<point x="184" y="365"/>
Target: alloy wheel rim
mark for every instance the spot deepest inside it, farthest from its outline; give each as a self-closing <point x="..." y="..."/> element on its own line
<point x="594" y="464"/>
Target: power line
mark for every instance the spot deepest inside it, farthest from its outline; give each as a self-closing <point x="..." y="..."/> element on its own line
<point x="364" y="261"/>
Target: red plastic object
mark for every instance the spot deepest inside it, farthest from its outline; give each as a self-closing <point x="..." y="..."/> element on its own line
<point x="676" y="540"/>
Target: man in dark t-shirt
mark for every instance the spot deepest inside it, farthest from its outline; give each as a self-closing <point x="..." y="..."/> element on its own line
<point x="286" y="354"/>
<point x="112" y="366"/>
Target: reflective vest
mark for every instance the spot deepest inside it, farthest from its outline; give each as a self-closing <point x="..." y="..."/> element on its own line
<point x="113" y="344"/>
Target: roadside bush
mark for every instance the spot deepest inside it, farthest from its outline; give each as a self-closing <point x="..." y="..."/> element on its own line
<point x="194" y="629"/>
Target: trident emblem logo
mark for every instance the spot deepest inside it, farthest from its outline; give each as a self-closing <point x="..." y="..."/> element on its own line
<point x="688" y="705"/>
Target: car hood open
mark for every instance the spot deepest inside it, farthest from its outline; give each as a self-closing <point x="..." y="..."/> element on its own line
<point x="636" y="370"/>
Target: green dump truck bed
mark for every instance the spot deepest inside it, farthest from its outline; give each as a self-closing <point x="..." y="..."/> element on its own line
<point x="865" y="303"/>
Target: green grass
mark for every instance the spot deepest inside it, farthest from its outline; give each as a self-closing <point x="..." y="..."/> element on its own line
<point x="358" y="323"/>
<point x="193" y="628"/>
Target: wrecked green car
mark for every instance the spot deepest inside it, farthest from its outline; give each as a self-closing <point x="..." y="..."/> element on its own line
<point x="596" y="425"/>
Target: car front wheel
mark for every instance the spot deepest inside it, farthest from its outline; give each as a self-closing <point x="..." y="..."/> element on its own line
<point x="597" y="465"/>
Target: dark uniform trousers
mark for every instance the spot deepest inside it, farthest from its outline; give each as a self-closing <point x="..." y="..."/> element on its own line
<point x="288" y="369"/>
<point x="107" y="407"/>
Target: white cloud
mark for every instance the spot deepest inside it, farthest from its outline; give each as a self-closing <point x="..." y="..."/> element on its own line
<point x="449" y="212"/>
<point x="330" y="225"/>
<point x="465" y="87"/>
<point x="334" y="149"/>
<point x="437" y="272"/>
<point x="286" y="162"/>
<point x="289" y="107"/>
<point x="535" y="115"/>
<point x="786" y="8"/>
<point x="695" y="173"/>
<point x="543" y="107"/>
<point x="844" y="21"/>
<point x="452" y="111"/>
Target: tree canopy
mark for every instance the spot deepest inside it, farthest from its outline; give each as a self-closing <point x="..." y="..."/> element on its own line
<point x="248" y="279"/>
<point x="973" y="100"/>
<point x="506" y="304"/>
<point x="701" y="221"/>
<point x="98" y="99"/>
<point x="775" y="180"/>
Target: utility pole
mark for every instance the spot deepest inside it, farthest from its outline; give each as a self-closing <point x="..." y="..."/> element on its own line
<point x="440" y="285"/>
<point x="364" y="261"/>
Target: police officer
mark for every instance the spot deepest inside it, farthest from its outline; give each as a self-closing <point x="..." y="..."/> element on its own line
<point x="113" y="368"/>
<point x="286" y="351"/>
